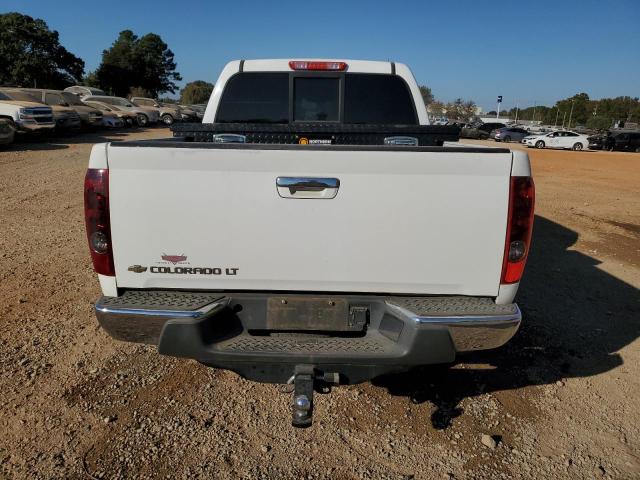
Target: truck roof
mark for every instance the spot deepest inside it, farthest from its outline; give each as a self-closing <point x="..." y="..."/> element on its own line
<point x="282" y="64"/>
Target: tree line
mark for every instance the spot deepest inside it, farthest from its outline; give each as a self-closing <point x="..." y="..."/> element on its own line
<point x="459" y="109"/>
<point x="576" y="110"/>
<point x="581" y="110"/>
<point x="31" y="56"/>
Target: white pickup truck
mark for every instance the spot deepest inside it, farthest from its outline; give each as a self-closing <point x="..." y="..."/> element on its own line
<point x="314" y="229"/>
<point x="26" y="116"/>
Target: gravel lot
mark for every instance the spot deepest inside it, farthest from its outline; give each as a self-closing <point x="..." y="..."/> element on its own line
<point x="559" y="401"/>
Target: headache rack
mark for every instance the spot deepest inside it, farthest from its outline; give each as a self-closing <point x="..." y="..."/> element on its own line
<point x="317" y="133"/>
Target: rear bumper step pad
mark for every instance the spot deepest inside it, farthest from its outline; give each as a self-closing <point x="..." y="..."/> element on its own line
<point x="232" y="331"/>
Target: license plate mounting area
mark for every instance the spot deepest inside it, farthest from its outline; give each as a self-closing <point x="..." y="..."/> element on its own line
<point x="312" y="313"/>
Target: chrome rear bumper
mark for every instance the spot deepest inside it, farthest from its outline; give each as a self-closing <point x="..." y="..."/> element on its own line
<point x="235" y="332"/>
<point x="139" y="321"/>
<point x="473" y="332"/>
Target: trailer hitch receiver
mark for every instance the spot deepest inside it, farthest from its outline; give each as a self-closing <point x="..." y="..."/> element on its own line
<point x="305" y="381"/>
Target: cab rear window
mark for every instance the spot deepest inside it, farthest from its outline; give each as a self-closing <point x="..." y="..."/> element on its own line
<point x="316" y="99"/>
<point x="281" y="97"/>
<point x="255" y="98"/>
<point x="378" y="99"/>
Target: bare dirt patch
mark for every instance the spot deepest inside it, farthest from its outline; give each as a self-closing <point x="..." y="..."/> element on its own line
<point x="560" y="400"/>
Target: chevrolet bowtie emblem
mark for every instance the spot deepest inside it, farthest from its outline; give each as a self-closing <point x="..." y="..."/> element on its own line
<point x="174" y="258"/>
<point x="137" y="268"/>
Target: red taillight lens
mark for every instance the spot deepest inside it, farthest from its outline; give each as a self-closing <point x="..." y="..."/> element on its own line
<point x="96" y="215"/>
<point x="304" y="65"/>
<point x="519" y="228"/>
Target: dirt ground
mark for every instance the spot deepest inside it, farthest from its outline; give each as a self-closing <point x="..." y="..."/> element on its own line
<point x="560" y="400"/>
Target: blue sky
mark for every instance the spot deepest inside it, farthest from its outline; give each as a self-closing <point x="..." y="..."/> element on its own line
<point x="526" y="51"/>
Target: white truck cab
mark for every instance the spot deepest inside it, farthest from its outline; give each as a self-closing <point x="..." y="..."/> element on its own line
<point x="26" y="116"/>
<point x="323" y="67"/>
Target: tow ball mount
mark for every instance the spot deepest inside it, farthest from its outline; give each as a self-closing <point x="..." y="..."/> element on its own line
<point x="305" y="380"/>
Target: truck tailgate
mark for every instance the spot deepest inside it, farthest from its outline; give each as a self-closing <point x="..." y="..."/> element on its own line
<point x="404" y="220"/>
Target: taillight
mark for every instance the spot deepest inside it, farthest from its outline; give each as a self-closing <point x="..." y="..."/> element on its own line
<point x="304" y="65"/>
<point x="519" y="228"/>
<point x="96" y="215"/>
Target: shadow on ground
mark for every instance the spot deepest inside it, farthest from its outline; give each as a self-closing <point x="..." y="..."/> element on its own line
<point x="576" y="318"/>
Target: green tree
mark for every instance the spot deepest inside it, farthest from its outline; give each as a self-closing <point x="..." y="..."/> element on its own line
<point x="599" y="123"/>
<point x="31" y="54"/>
<point x="584" y="109"/>
<point x="461" y="109"/>
<point x="198" y="91"/>
<point x="155" y="65"/>
<point x="510" y="113"/>
<point x="544" y="114"/>
<point x="91" y="80"/>
<point x="620" y="108"/>
<point x="578" y="109"/>
<point x="436" y="108"/>
<point x="144" y="62"/>
<point x="115" y="74"/>
<point x="427" y="95"/>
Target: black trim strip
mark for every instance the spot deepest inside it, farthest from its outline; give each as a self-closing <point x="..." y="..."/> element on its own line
<point x="184" y="129"/>
<point x="241" y="66"/>
<point x="393" y="68"/>
<point x="179" y="143"/>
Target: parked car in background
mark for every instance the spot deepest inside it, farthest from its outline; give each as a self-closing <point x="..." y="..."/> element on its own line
<point x="583" y="130"/>
<point x="624" y="142"/>
<point x="559" y="139"/>
<point x="111" y="120"/>
<point x="597" y="142"/>
<point x="439" y="121"/>
<point x="509" y="134"/>
<point x="83" y="91"/>
<point x="188" y="114"/>
<point x="168" y="113"/>
<point x="480" y="131"/>
<point x="26" y="116"/>
<point x="89" y="116"/>
<point x="111" y="112"/>
<point x="540" y="129"/>
<point x="65" y="118"/>
<point x="199" y="109"/>
<point x="7" y="131"/>
<point x="144" y="115"/>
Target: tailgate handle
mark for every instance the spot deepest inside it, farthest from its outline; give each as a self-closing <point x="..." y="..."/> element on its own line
<point x="229" y="138"/>
<point x="412" y="141"/>
<point x="307" y="187"/>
